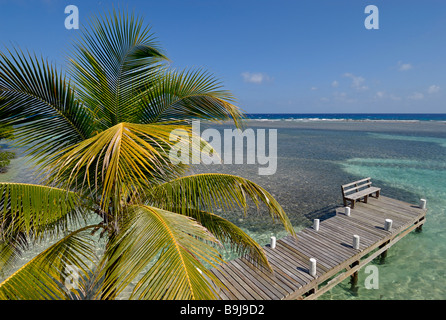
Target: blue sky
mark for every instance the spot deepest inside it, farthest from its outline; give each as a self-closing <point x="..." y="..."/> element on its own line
<point x="296" y="56"/>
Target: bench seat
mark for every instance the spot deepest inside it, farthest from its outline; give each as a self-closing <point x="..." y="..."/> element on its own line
<point x="359" y="190"/>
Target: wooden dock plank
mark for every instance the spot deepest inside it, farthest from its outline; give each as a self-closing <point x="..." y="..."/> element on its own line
<point x="344" y="237"/>
<point x="400" y="206"/>
<point x="331" y="246"/>
<point x="239" y="283"/>
<point x="265" y="279"/>
<point x="294" y="264"/>
<point x="320" y="248"/>
<point x="254" y="287"/>
<point x="273" y="278"/>
<point x="286" y="266"/>
<point x="352" y="226"/>
<point x="303" y="247"/>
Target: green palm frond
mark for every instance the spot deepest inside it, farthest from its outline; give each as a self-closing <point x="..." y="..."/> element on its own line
<point x="11" y="250"/>
<point x="187" y="95"/>
<point x="46" y="275"/>
<point x="172" y="247"/>
<point x="211" y="191"/>
<point x="39" y="102"/>
<point x="114" y="57"/>
<point x="32" y="212"/>
<point x="35" y="209"/>
<point x="122" y="161"/>
<point x="228" y="233"/>
<point x="116" y="162"/>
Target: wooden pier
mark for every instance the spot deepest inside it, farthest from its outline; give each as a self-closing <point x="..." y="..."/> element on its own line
<point x="331" y="243"/>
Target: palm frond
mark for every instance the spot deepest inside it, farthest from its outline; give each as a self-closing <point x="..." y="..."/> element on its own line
<point x="32" y="212"/>
<point x="211" y="191"/>
<point x="185" y="96"/>
<point x="169" y="249"/>
<point x="114" y="57"/>
<point x="117" y="162"/>
<point x="39" y="102"/>
<point x="45" y="277"/>
<point x="228" y="233"/>
<point x="34" y="209"/>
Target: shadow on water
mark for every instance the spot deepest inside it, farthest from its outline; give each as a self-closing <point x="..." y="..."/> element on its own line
<point x="322" y="213"/>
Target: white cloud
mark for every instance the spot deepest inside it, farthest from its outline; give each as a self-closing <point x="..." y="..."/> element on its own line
<point x="256" y="77"/>
<point x="357" y="81"/>
<point x="335" y="84"/>
<point x="433" y="89"/>
<point x="416" y="96"/>
<point x="395" y="98"/>
<point x="380" y="94"/>
<point x="404" y="66"/>
<point x="313" y="88"/>
<point x="385" y="95"/>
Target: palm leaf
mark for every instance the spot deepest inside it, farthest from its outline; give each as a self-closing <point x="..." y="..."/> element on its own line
<point x="228" y="233"/>
<point x="112" y="59"/>
<point x="35" y="209"/>
<point x="41" y="105"/>
<point x="45" y="276"/>
<point x="211" y="191"/>
<point x="121" y="162"/>
<point x="116" y="162"/>
<point x="185" y="96"/>
<point x="33" y="212"/>
<point x="168" y="248"/>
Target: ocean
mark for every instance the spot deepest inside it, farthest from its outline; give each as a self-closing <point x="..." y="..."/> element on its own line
<point x="405" y="154"/>
<point x="411" y="117"/>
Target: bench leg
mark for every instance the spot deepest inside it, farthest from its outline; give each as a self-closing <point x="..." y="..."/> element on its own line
<point x="377" y="194"/>
<point x="366" y="198"/>
<point x="352" y="204"/>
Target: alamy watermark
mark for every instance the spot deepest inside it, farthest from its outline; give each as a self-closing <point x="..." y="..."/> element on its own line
<point x="236" y="146"/>
<point x="370" y="22"/>
<point x="372" y="280"/>
<point x="72" y="20"/>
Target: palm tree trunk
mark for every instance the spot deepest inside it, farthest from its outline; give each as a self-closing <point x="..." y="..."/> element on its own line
<point x="110" y="291"/>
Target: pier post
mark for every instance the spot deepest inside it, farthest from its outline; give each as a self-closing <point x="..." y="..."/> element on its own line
<point x="273" y="242"/>
<point x="347" y="211"/>
<point x="388" y="227"/>
<point x="356" y="242"/>
<point x="382" y="256"/>
<point x="422" y="206"/>
<point x="423" y="203"/>
<point x="316" y="224"/>
<point x="388" y="224"/>
<point x="420" y="228"/>
<point x="312" y="269"/>
<point x="354" y="276"/>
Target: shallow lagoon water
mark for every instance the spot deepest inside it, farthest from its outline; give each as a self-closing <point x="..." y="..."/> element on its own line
<point x="406" y="159"/>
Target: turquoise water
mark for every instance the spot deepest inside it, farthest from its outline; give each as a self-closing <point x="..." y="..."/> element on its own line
<point x="406" y="159"/>
<point x="415" y="267"/>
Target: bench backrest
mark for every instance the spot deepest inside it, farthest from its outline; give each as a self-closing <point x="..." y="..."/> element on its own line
<point x="356" y="186"/>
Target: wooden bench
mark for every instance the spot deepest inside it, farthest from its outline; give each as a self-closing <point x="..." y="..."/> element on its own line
<point x="357" y="190"/>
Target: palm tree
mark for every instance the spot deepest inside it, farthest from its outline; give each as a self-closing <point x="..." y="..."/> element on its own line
<point x="99" y="138"/>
